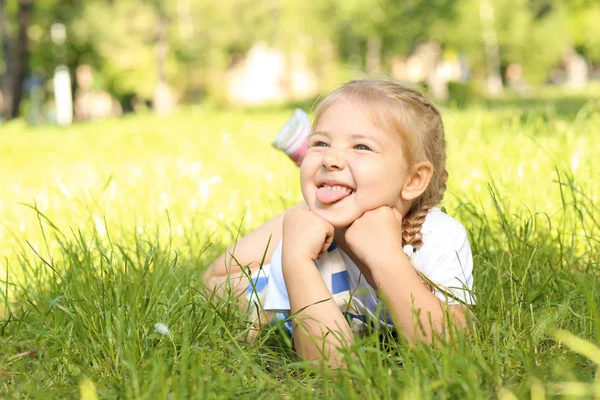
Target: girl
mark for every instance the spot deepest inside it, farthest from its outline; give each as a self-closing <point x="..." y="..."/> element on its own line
<point x="371" y="178"/>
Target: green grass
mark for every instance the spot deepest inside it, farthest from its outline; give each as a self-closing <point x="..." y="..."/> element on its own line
<point x="106" y="229"/>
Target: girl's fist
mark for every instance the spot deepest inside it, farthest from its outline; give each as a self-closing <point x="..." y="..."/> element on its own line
<point x="305" y="234"/>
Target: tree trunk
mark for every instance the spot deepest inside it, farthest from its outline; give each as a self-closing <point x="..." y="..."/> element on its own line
<point x="576" y="68"/>
<point x="163" y="102"/>
<point x="374" y="55"/>
<point x="22" y="58"/>
<point x="3" y="29"/>
<point x="161" y="47"/>
<point x="185" y="20"/>
<point x="16" y="58"/>
<point x="6" y="53"/>
<point x="492" y="51"/>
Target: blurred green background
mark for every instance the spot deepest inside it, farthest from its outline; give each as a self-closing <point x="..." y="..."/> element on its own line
<point x="130" y="55"/>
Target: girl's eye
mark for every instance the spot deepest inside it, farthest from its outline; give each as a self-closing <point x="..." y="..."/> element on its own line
<point x="362" y="147"/>
<point x="319" y="144"/>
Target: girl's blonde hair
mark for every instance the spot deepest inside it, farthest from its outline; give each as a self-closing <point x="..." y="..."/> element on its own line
<point x="396" y="108"/>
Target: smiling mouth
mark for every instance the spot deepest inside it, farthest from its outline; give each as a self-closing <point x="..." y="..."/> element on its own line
<point x="329" y="194"/>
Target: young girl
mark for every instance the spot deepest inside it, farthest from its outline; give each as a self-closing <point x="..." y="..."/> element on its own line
<point x="371" y="178"/>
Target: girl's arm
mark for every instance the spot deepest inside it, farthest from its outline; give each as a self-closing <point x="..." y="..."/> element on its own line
<point x="319" y="326"/>
<point x="417" y="312"/>
<point x="249" y="250"/>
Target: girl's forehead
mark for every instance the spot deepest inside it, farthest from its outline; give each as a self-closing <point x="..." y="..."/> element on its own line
<point x="343" y="115"/>
<point x="380" y="111"/>
<point x="385" y="116"/>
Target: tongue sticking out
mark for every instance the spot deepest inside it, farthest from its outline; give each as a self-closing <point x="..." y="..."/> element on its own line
<point x="327" y="196"/>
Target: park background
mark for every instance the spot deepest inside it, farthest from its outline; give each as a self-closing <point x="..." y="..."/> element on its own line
<point x="135" y="145"/>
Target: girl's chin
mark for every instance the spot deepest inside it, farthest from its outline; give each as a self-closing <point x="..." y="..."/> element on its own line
<point x="337" y="221"/>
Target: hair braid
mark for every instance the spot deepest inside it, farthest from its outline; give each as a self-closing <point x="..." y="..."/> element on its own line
<point x="411" y="227"/>
<point x="413" y="222"/>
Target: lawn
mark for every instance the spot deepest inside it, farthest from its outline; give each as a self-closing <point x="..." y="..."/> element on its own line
<point x="107" y="227"/>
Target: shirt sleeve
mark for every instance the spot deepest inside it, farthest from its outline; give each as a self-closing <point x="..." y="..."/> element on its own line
<point x="277" y="297"/>
<point x="448" y="262"/>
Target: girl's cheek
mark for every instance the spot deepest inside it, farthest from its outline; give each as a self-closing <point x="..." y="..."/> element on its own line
<point x="365" y="171"/>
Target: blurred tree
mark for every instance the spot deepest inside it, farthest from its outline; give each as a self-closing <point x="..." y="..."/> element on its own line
<point x="135" y="45"/>
<point x="16" y="57"/>
<point x="583" y="26"/>
<point x="207" y="39"/>
<point x="532" y="33"/>
<point x="525" y="31"/>
<point x="5" y="40"/>
<point x="309" y="28"/>
<point x="382" y="28"/>
<point x="122" y="34"/>
<point x="46" y="55"/>
<point x="187" y="43"/>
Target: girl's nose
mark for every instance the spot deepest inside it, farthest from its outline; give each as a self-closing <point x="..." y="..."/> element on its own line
<point x="334" y="159"/>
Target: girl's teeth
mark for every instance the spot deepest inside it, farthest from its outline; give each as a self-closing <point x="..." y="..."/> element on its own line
<point x="338" y="188"/>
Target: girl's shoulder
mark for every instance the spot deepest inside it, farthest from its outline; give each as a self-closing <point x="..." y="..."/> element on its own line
<point x="446" y="257"/>
<point x="445" y="244"/>
<point x="438" y="222"/>
<point x="446" y="250"/>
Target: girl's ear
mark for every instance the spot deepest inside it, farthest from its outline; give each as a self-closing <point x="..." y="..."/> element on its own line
<point x="419" y="180"/>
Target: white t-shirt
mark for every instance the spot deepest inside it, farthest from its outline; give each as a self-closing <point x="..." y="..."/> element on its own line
<point x="445" y="258"/>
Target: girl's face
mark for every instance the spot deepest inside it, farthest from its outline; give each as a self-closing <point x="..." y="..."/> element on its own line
<point x="352" y="166"/>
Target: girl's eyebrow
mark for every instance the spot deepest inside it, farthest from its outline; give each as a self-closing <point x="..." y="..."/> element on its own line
<point x="353" y="136"/>
<point x="363" y="136"/>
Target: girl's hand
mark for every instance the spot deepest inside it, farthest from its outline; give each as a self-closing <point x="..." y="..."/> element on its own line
<point x="374" y="236"/>
<point x="305" y="234"/>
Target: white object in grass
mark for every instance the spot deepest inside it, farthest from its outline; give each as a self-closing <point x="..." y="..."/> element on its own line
<point x="161" y="328"/>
